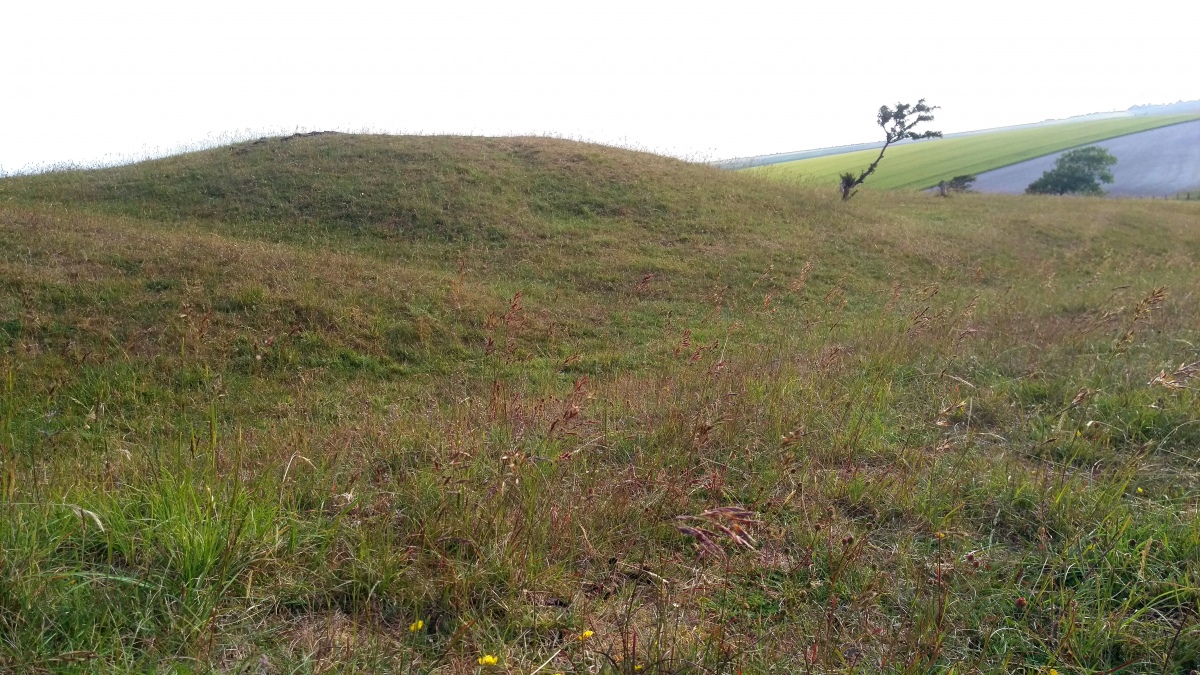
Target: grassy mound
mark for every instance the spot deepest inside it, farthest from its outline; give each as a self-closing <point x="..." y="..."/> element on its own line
<point x="493" y="217"/>
<point x="588" y="408"/>
<point x="410" y="187"/>
<point x="922" y="165"/>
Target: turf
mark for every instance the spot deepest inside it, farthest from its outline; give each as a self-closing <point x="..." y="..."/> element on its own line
<point x="922" y="165"/>
<point x="377" y="404"/>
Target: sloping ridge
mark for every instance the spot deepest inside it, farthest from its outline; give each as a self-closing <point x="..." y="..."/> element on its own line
<point x="922" y="165"/>
<point x="441" y="187"/>
<point x="1156" y="163"/>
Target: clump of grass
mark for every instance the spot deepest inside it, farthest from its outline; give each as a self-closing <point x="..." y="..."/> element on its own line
<point x="730" y="521"/>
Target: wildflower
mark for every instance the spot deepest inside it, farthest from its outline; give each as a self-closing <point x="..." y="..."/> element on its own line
<point x="487" y="660"/>
<point x="939" y="535"/>
<point x="1140" y="491"/>
<point x="586" y="634"/>
<point x="416" y="626"/>
<point x="1052" y="672"/>
<point x="640" y="666"/>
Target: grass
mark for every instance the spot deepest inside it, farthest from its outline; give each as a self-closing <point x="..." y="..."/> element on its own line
<point x="922" y="165"/>
<point x="401" y="404"/>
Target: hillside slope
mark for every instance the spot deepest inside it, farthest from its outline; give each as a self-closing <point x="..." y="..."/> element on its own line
<point x="1157" y="163"/>
<point x="922" y="165"/>
<point x="383" y="404"/>
<point x="448" y="188"/>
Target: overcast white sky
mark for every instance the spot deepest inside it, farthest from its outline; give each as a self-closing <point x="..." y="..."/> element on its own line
<point x="101" y="80"/>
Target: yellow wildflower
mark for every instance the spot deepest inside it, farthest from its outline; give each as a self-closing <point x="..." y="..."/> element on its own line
<point x="416" y="626"/>
<point x="586" y="634"/>
<point x="1052" y="672"/>
<point x="640" y="666"/>
<point x="487" y="660"/>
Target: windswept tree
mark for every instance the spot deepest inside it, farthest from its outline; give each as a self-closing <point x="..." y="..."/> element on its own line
<point x="1078" y="171"/>
<point x="957" y="184"/>
<point x="897" y="125"/>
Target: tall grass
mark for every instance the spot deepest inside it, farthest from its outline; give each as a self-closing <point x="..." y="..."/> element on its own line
<point x="633" y="416"/>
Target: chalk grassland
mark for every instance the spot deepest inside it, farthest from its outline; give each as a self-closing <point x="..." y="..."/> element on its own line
<point x="922" y="165"/>
<point x="356" y="404"/>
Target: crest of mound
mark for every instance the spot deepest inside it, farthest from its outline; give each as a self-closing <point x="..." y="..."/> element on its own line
<point x="442" y="187"/>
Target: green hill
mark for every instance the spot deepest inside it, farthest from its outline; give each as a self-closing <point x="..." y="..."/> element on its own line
<point x="922" y="165"/>
<point x="397" y="404"/>
<point x="444" y="188"/>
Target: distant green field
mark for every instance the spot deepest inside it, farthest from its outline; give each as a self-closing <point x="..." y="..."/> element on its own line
<point x="922" y="165"/>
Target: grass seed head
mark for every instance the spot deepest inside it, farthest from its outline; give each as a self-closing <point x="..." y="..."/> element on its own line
<point x="1177" y="380"/>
